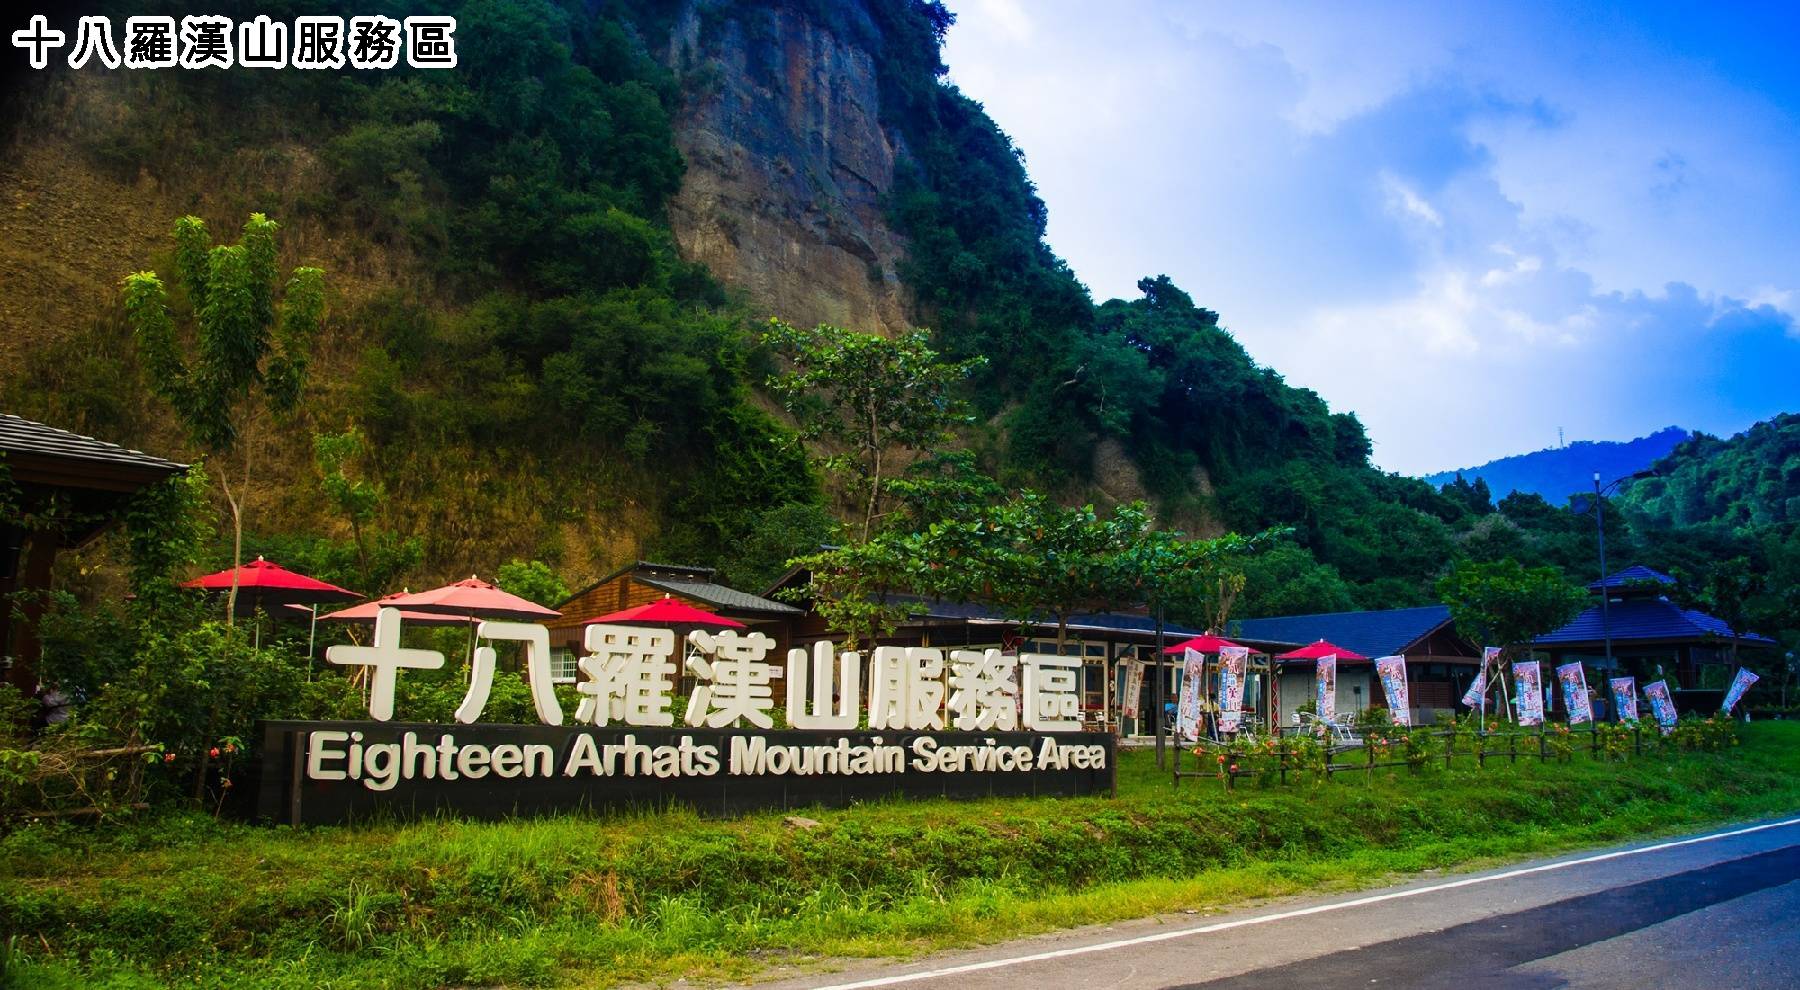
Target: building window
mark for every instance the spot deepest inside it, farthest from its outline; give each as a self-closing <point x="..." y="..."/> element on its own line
<point x="562" y="665"/>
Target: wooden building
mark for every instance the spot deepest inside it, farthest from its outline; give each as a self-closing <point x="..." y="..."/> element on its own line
<point x="68" y="489"/>
<point x="1108" y="643"/>
<point x="643" y="582"/>
<point x="1440" y="664"/>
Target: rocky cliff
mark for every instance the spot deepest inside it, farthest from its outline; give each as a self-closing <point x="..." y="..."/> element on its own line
<point x="788" y="165"/>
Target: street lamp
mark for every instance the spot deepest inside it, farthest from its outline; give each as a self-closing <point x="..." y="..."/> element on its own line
<point x="1600" y="539"/>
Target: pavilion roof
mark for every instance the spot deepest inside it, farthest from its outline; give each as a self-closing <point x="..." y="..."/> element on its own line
<point x="1647" y="620"/>
<point x="1378" y="633"/>
<point x="1637" y="575"/>
<point x="34" y="448"/>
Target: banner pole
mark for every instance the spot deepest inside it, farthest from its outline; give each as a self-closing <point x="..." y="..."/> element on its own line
<point x="1161" y="716"/>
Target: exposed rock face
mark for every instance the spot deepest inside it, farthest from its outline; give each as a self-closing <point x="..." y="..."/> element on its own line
<point x="787" y="167"/>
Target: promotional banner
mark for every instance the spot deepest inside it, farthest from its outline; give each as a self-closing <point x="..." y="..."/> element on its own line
<point x="1193" y="670"/>
<point x="1231" y="686"/>
<point x="1662" y="705"/>
<point x="1392" y="671"/>
<point x="1476" y="696"/>
<point x="1528" y="681"/>
<point x="1575" y="693"/>
<point x="1624" y="692"/>
<point x="1325" y="698"/>
<point x="1739" y="685"/>
<point x="1134" y="688"/>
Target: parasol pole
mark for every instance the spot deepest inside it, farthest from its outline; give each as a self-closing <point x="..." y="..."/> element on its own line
<point x="312" y="635"/>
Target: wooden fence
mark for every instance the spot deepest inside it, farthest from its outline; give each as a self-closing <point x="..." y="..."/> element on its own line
<point x="1289" y="758"/>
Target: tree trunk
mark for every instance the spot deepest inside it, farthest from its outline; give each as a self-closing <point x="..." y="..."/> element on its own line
<point x="212" y="719"/>
<point x="874" y="472"/>
<point x="237" y="547"/>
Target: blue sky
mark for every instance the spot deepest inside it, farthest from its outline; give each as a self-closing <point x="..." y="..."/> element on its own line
<point x="1470" y="224"/>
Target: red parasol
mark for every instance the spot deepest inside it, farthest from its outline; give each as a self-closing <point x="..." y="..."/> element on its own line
<point x="666" y="611"/>
<point x="365" y="613"/>
<point x="1207" y="643"/>
<point x="472" y="599"/>
<point x="1320" y="650"/>
<point x="262" y="583"/>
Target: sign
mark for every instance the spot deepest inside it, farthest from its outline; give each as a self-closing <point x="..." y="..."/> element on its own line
<point x="1624" y="692"/>
<point x="1662" y="705"/>
<point x="213" y="41"/>
<point x="1476" y="695"/>
<point x="1231" y="686"/>
<point x="1193" y="672"/>
<point x="1528" y="682"/>
<point x="1325" y="686"/>
<point x="1392" y="671"/>
<point x="315" y="773"/>
<point x="1014" y="721"/>
<point x="1739" y="684"/>
<point x="628" y="677"/>
<point x="1575" y="693"/>
<point x="1134" y="688"/>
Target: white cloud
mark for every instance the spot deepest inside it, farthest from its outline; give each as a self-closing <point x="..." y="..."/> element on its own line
<point x="1402" y="199"/>
<point x="1470" y="225"/>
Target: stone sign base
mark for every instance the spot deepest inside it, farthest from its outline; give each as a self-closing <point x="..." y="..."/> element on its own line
<point x="315" y="773"/>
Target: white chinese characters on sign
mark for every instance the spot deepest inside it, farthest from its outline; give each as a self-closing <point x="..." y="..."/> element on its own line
<point x="627" y="673"/>
<point x="907" y="688"/>
<point x="537" y="666"/>
<point x="983" y="694"/>
<point x="1052" y="697"/>
<point x="628" y="677"/>
<point x="733" y="680"/>
<point x="833" y="705"/>
<point x="384" y="657"/>
<point x="214" y="41"/>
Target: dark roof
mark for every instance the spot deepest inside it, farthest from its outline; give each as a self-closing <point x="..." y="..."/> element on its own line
<point x="1373" y="634"/>
<point x="1645" y="620"/>
<point x="26" y="439"/>
<point x="1636" y="574"/>
<point x="717" y="595"/>
<point x="647" y="568"/>
<point x="944" y="610"/>
<point x="694" y="582"/>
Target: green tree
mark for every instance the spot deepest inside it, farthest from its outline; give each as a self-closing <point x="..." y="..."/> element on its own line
<point x="532" y="580"/>
<point x="775" y="537"/>
<point x="862" y="590"/>
<point x="866" y="400"/>
<point x="1035" y="559"/>
<point x="1727" y="589"/>
<point x="1507" y="604"/>
<point x="356" y="499"/>
<point x="244" y="342"/>
<point x="1286" y="580"/>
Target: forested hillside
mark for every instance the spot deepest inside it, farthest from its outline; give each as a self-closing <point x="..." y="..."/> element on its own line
<point x="522" y="357"/>
<point x="1557" y="472"/>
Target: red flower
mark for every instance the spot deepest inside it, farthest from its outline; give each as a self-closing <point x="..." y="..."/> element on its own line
<point x="1221" y="757"/>
<point x="168" y="757"/>
<point x="213" y="752"/>
<point x="1234" y="768"/>
<point x="231" y="747"/>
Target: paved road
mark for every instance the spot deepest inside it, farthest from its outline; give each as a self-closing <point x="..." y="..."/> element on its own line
<point x="1716" y="910"/>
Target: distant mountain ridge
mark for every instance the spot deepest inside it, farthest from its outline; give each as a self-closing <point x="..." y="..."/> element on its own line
<point x="1557" y="472"/>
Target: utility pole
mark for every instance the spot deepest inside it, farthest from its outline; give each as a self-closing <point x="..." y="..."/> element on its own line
<point x="1605" y="592"/>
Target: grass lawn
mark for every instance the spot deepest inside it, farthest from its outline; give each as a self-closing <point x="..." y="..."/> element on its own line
<point x="182" y="900"/>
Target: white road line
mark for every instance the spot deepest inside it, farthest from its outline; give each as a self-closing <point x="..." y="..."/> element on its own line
<point x="888" y="981"/>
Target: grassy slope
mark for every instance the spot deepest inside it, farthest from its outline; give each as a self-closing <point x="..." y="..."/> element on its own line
<point x="585" y="902"/>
